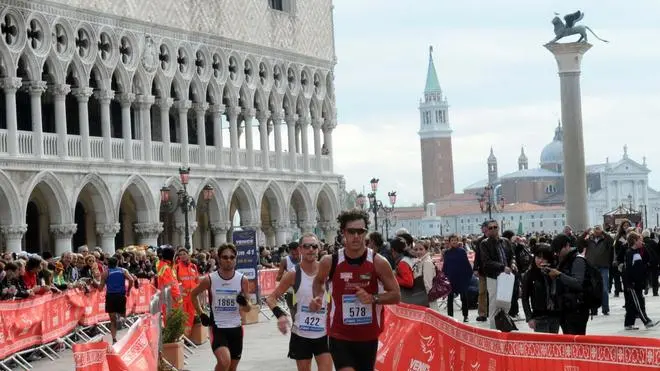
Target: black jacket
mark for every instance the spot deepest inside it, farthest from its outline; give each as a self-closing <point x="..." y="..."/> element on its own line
<point x="538" y="295"/>
<point x="570" y="284"/>
<point x="477" y="256"/>
<point x="489" y="256"/>
<point x="653" y="251"/>
<point x="21" y="290"/>
<point x="634" y="274"/>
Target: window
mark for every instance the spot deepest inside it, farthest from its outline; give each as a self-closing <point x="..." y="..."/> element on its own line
<point x="541" y="224"/>
<point x="551" y="189"/>
<point x="532" y="224"/>
<point x="555" y="223"/>
<point x="276" y="4"/>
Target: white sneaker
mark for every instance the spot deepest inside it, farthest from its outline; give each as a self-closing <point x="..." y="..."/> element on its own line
<point x="651" y="324"/>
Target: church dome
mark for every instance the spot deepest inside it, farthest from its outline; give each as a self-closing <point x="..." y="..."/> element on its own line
<point x="553" y="153"/>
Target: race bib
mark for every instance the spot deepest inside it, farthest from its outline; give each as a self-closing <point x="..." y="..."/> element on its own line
<point x="226" y="301"/>
<point x="354" y="312"/>
<point x="311" y="321"/>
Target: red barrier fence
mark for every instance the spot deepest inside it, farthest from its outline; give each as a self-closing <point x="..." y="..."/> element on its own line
<point x="44" y="319"/>
<point x="420" y="339"/>
<point x="267" y="282"/>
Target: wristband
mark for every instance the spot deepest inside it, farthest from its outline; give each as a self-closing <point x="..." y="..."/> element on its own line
<point x="278" y="312"/>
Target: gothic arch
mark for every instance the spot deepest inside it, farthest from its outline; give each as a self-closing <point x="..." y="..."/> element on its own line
<point x="10" y="215"/>
<point x="197" y="89"/>
<point x="124" y="82"/>
<point x="100" y="195"/>
<point x="180" y="87"/>
<point x="31" y="66"/>
<point x="141" y="192"/>
<point x="217" y="209"/>
<point x="246" y="199"/>
<point x="173" y="182"/>
<point x="55" y="69"/>
<point x="78" y="73"/>
<point x="213" y="92"/>
<point x="229" y="97"/>
<point x="58" y="205"/>
<point x="326" y="203"/>
<point x="273" y="192"/>
<point x="300" y="190"/>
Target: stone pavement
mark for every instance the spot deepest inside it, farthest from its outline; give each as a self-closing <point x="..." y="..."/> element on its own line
<point x="265" y="348"/>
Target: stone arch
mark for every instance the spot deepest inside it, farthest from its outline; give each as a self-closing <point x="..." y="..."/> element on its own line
<point x="288" y="105"/>
<point x="76" y="74"/>
<point x="100" y="76"/>
<point x="314" y="108"/>
<point x="276" y="200"/>
<point x="242" y="199"/>
<point x="122" y="80"/>
<point x="211" y="216"/>
<point x="197" y="90"/>
<point x="55" y="70"/>
<point x="6" y="65"/>
<point x="259" y="101"/>
<point x="218" y="208"/>
<point x="302" y="106"/>
<point x="139" y="189"/>
<point x="100" y="197"/>
<point x="229" y="96"/>
<point x="141" y="83"/>
<point x="326" y="204"/>
<point x="245" y="97"/>
<point x="160" y="86"/>
<point x="179" y="88"/>
<point x="55" y="196"/>
<point x="213" y="92"/>
<point x="11" y="214"/>
<point x="28" y="67"/>
<point x="92" y="208"/>
<point x="300" y="203"/>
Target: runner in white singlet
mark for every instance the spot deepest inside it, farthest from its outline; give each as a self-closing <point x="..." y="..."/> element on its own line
<point x="228" y="293"/>
<point x="308" y="333"/>
<point x="288" y="264"/>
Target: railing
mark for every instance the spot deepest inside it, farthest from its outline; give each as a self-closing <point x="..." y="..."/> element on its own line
<point x="157" y="151"/>
<point x="117" y="150"/>
<point x="136" y="147"/>
<point x="258" y="160"/>
<point x="3" y="141"/>
<point x="74" y="145"/>
<point x="272" y="160"/>
<point x="326" y="162"/>
<point x="96" y="147"/>
<point x="50" y="144"/>
<point x="193" y="154"/>
<point x="242" y="158"/>
<point x="175" y="152"/>
<point x="25" y="143"/>
<point x="300" y="161"/>
<point x="210" y="156"/>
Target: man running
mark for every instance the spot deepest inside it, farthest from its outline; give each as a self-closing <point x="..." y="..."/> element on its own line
<point x="308" y="334"/>
<point x="355" y="274"/>
<point x="288" y="264"/>
<point x="114" y="278"/>
<point x="227" y="290"/>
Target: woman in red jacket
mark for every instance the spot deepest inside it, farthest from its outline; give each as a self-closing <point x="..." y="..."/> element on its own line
<point x="404" y="262"/>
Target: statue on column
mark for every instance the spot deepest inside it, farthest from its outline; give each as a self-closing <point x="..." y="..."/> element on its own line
<point x="570" y="28"/>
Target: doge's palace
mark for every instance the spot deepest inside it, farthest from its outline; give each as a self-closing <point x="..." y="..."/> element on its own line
<point x="103" y="101"/>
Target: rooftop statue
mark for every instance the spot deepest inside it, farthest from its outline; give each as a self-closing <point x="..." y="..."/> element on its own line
<point x="570" y="28"/>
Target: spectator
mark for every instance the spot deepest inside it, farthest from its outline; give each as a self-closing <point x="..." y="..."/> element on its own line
<point x="539" y="293"/>
<point x="458" y="271"/>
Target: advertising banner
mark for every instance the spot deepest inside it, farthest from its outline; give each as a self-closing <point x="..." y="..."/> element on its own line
<point x="247" y="258"/>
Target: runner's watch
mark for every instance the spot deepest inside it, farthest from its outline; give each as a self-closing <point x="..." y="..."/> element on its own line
<point x="376" y="298"/>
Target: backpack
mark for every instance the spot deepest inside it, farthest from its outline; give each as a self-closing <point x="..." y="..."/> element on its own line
<point x="593" y="287"/>
<point x="441" y="286"/>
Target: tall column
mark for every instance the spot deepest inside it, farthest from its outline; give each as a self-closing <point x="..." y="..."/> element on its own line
<point x="220" y="233"/>
<point x="263" y="137"/>
<point x="608" y="202"/>
<point x="291" y="125"/>
<point x="126" y="100"/>
<point x="82" y="95"/>
<point x="144" y="106"/>
<point x="277" y="132"/>
<point x="63" y="234"/>
<point x="281" y="231"/>
<point x="13" y="236"/>
<point x="147" y="233"/>
<point x="216" y="113"/>
<point x="107" y="232"/>
<point x="181" y="231"/>
<point x="104" y="97"/>
<point x="10" y="85"/>
<point x="327" y="140"/>
<point x="569" y="57"/>
<point x="200" y="116"/>
<point x="165" y="104"/>
<point x="308" y="226"/>
<point x="60" y="92"/>
<point x="183" y="106"/>
<point x="232" y="116"/>
<point x="248" y="115"/>
<point x="298" y="139"/>
<point x="317" y="124"/>
<point x="36" y="90"/>
<point x="304" y="124"/>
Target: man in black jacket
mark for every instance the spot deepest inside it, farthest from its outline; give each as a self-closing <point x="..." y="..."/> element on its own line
<point x="653" y="251"/>
<point x="483" y="289"/>
<point x="600" y="253"/>
<point x="496" y="257"/>
<point x="570" y="276"/>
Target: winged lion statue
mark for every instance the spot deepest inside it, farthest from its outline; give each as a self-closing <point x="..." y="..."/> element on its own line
<point x="571" y="28"/>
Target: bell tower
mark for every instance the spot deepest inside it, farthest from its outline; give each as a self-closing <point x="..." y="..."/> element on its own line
<point x="435" y="139"/>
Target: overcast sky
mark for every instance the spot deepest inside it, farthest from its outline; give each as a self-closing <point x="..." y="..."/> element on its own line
<point x="501" y="83"/>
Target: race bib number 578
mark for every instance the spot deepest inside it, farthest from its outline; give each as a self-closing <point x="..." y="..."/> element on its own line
<point x="354" y="312"/>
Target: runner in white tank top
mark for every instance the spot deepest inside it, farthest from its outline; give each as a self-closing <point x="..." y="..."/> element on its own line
<point x="288" y="264"/>
<point x="308" y="333"/>
<point x="228" y="292"/>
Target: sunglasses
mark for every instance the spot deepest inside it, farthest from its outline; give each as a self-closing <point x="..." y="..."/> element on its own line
<point x="308" y="246"/>
<point x="493" y="227"/>
<point x="355" y="231"/>
<point x="228" y="257"/>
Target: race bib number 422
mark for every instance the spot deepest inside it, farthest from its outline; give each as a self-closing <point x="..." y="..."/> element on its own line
<point x="354" y="312"/>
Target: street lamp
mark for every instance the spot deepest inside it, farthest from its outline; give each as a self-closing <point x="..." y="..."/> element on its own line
<point x="207" y="194"/>
<point x="646" y="219"/>
<point x="487" y="202"/>
<point x="630" y="202"/>
<point x="184" y="201"/>
<point x="376" y="206"/>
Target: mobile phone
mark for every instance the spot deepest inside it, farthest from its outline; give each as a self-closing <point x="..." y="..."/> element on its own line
<point x="545" y="269"/>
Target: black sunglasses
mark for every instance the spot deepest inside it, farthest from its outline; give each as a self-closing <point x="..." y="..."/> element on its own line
<point x="493" y="227"/>
<point x="228" y="257"/>
<point x="307" y="246"/>
<point x="355" y="231"/>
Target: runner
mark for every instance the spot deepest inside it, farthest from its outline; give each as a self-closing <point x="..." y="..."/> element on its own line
<point x="114" y="279"/>
<point x="355" y="275"/>
<point x="227" y="290"/>
<point x="288" y="264"/>
<point x="308" y="334"/>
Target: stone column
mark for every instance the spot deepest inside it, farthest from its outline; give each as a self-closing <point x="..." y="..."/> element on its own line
<point x="248" y="115"/>
<point x="10" y="85"/>
<point x="569" y="57"/>
<point x="126" y="100"/>
<point x="291" y="125"/>
<point x="63" y="234"/>
<point x="232" y="116"/>
<point x="277" y="132"/>
<point x="144" y="105"/>
<point x="281" y="232"/>
<point x="317" y="124"/>
<point x="263" y="137"/>
<point x="147" y="233"/>
<point x="200" y="113"/>
<point x="165" y="105"/>
<point x="216" y="113"/>
<point x="181" y="231"/>
<point x="304" y="124"/>
<point x="13" y="236"/>
<point x="82" y="95"/>
<point x="107" y="233"/>
<point x="104" y="97"/>
<point x="183" y="106"/>
<point x="327" y="138"/>
<point x="308" y="226"/>
<point x="220" y="233"/>
<point x="36" y="90"/>
<point x="60" y="92"/>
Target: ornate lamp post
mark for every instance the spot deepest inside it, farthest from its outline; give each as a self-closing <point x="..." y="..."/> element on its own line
<point x="184" y="201"/>
<point x="207" y="194"/>
<point x="487" y="202"/>
<point x="375" y="206"/>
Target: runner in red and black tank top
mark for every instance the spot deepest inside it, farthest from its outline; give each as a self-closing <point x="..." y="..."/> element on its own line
<point x="349" y="318"/>
<point x="354" y="274"/>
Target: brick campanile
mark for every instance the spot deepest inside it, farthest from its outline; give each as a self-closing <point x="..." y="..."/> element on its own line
<point x="435" y="139"/>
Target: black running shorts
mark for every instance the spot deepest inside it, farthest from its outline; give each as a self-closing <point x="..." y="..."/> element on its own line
<point x="115" y="303"/>
<point x="231" y="338"/>
<point x="360" y="355"/>
<point x="301" y="348"/>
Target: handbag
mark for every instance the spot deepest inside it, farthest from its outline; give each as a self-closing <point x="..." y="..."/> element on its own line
<point x="441" y="286"/>
<point x="504" y="322"/>
<point x="417" y="294"/>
